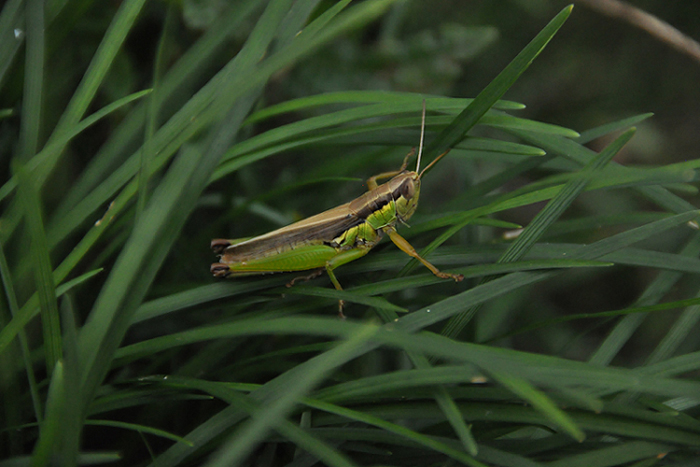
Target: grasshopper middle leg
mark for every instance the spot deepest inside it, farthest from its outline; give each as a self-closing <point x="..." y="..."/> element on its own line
<point x="343" y="258"/>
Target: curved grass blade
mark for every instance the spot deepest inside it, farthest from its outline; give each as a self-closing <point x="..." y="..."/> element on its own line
<point x="370" y="97"/>
<point x="139" y="428"/>
<point x="594" y="133"/>
<point x="251" y="433"/>
<point x="43" y="280"/>
<point x="13" y="305"/>
<point x="50" y="153"/>
<point x="185" y="72"/>
<point x="581" y="156"/>
<point x="12" y="20"/>
<point x="208" y="105"/>
<point x="411" y="435"/>
<point x="497" y="88"/>
<point x="540" y="402"/>
<point x="31" y="308"/>
<point x="661" y="285"/>
<point x="33" y="80"/>
<point x="541" y="222"/>
<point x="302" y="438"/>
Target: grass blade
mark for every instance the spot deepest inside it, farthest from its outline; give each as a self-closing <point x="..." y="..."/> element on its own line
<point x="43" y="279"/>
<point x="33" y="80"/>
<point x="246" y="440"/>
<point x="497" y="88"/>
<point x="11" y="24"/>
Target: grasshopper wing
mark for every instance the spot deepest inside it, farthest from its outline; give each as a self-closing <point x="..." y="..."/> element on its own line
<point x="319" y="229"/>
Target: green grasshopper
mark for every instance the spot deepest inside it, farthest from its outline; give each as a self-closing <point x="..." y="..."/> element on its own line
<point x="334" y="237"/>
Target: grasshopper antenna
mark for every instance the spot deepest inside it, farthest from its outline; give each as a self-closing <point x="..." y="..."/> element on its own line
<point x="420" y="151"/>
<point x="422" y="135"/>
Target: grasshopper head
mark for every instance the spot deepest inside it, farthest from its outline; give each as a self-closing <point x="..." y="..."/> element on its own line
<point x="406" y="190"/>
<point x="406" y="194"/>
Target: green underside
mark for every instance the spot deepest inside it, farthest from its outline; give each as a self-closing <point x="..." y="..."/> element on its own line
<point x="299" y="259"/>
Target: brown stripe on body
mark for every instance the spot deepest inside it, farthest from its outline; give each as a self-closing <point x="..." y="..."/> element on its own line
<point x="375" y="200"/>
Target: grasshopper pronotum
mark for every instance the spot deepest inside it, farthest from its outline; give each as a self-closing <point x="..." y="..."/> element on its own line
<point x="334" y="237"/>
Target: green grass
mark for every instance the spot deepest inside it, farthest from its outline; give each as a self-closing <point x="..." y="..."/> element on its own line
<point x="117" y="347"/>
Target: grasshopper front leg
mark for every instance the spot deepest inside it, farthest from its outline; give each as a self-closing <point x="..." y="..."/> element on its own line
<point x="407" y="248"/>
<point x="372" y="181"/>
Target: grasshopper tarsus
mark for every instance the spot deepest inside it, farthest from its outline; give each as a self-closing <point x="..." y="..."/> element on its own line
<point x="308" y="277"/>
<point x="410" y="154"/>
<point x="218" y="245"/>
<point x="447" y="275"/>
<point x="456" y="277"/>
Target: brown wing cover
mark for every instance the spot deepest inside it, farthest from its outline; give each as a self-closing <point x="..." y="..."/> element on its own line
<point x="322" y="228"/>
<point x="318" y="229"/>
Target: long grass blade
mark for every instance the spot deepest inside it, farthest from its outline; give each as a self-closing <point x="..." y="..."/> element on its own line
<point x="251" y="433"/>
<point x="31" y="308"/>
<point x="13" y="305"/>
<point x="33" y="80"/>
<point x="167" y="211"/>
<point x="497" y="88"/>
<point x="12" y="20"/>
<point x="661" y="285"/>
<point x="43" y="280"/>
<point x="546" y="217"/>
<point x="183" y="74"/>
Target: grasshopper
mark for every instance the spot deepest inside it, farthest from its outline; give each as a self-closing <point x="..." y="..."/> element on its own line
<point x="334" y="237"/>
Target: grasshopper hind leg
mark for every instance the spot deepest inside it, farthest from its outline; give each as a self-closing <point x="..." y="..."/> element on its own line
<point x="336" y="284"/>
<point x="343" y="258"/>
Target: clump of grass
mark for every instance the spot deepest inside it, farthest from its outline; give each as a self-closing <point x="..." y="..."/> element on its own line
<point x="117" y="346"/>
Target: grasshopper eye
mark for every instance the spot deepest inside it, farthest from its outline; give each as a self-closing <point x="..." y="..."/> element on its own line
<point x="407" y="189"/>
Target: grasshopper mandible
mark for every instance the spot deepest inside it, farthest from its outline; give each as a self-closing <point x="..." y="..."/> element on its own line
<point x="334" y="237"/>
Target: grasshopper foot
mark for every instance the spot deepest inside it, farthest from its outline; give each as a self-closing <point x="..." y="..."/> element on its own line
<point x="341" y="305"/>
<point x="447" y="275"/>
<point x="313" y="275"/>
<point x="218" y="245"/>
<point x="220" y="270"/>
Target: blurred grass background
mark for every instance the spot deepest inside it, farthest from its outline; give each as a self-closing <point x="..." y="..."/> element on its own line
<point x="117" y="346"/>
